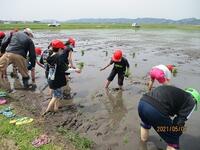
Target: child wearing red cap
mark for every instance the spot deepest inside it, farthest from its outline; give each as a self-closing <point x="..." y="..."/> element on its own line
<point x="121" y="67"/>
<point x="56" y="75"/>
<point x="2" y="35"/>
<point x="161" y="73"/>
<point x="38" y="52"/>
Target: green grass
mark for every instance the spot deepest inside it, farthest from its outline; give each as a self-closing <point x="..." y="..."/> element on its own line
<point x="95" y="26"/>
<point x="171" y="26"/>
<point x="22" y="135"/>
<point x="81" y="143"/>
<point x="64" y="26"/>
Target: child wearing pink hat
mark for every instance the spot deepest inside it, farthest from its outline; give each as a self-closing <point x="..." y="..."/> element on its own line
<point x="161" y="73"/>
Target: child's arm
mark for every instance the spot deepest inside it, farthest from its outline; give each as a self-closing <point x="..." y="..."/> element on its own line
<point x="150" y="85"/>
<point x="70" y="60"/>
<point x="105" y="67"/>
<point x="39" y="64"/>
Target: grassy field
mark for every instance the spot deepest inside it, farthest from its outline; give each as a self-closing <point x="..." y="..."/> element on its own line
<point x="14" y="137"/>
<point x="20" y="137"/>
<point x="96" y="26"/>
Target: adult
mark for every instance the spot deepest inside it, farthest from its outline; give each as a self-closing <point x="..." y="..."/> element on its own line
<point x="19" y="46"/>
<point x="167" y="108"/>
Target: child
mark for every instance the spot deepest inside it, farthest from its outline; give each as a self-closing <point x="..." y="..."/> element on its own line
<point x="69" y="45"/>
<point x="67" y="54"/>
<point x="161" y="73"/>
<point x="38" y="52"/>
<point x="56" y="75"/>
<point x="121" y="67"/>
<point x="2" y="35"/>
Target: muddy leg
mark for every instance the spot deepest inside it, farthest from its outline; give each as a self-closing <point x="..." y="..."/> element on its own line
<point x="50" y="92"/>
<point x="170" y="148"/>
<point x="50" y="106"/>
<point x="143" y="145"/>
<point x="57" y="104"/>
<point x="107" y="84"/>
<point x="144" y="134"/>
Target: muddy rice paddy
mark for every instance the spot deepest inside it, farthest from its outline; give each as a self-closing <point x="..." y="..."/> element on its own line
<point x="110" y="118"/>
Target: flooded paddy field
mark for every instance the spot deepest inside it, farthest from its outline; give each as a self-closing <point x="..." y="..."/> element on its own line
<point x="110" y="118"/>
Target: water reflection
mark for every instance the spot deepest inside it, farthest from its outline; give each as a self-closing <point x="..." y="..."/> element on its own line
<point x="115" y="107"/>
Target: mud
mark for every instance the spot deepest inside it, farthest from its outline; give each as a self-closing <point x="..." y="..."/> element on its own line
<point x="110" y="118"/>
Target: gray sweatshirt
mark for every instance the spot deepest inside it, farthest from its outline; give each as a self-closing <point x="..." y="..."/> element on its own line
<point x="21" y="44"/>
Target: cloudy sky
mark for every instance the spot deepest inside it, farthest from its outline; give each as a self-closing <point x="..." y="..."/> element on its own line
<point x="74" y="9"/>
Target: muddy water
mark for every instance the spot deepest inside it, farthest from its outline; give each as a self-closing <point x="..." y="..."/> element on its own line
<point x="110" y="117"/>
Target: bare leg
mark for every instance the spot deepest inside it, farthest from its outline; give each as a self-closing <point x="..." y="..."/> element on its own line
<point x="144" y="134"/>
<point x="107" y="84"/>
<point x="49" y="92"/>
<point x="56" y="105"/>
<point x="143" y="145"/>
<point x="170" y="148"/>
<point x="50" y="105"/>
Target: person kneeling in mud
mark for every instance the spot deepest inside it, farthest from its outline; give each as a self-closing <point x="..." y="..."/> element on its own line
<point x="161" y="73"/>
<point x="167" y="108"/>
<point x="121" y="67"/>
<point x="56" y="75"/>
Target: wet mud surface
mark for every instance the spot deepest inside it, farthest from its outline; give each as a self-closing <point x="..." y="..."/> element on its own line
<point x="109" y="117"/>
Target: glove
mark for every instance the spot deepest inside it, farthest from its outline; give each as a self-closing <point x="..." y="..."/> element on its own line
<point x="178" y="124"/>
<point x="179" y="121"/>
<point x="127" y="73"/>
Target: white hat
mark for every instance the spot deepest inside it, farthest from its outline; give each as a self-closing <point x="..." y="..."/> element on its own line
<point x="29" y="31"/>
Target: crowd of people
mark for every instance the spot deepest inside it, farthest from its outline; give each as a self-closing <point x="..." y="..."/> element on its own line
<point x="166" y="108"/>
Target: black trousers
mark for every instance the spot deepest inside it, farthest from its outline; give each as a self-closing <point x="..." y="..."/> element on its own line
<point x="120" y="76"/>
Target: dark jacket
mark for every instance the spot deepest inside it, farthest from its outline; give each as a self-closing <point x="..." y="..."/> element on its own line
<point x="170" y="101"/>
<point x="21" y="44"/>
<point x="65" y="54"/>
<point x="120" y="66"/>
<point x="60" y="80"/>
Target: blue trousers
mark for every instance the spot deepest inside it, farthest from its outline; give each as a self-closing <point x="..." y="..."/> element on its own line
<point x="162" y="124"/>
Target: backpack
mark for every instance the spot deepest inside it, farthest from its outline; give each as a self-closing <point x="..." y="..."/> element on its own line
<point x="52" y="72"/>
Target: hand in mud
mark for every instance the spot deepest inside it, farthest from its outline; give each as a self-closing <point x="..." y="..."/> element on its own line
<point x="127" y="74"/>
<point x="78" y="70"/>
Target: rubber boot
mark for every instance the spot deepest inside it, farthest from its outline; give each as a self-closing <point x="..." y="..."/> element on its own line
<point x="25" y="82"/>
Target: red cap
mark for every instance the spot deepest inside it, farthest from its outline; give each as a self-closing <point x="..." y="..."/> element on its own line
<point x="71" y="41"/>
<point x="38" y="50"/>
<point x="117" y="55"/>
<point x="57" y="44"/>
<point x="170" y="67"/>
<point x="2" y="34"/>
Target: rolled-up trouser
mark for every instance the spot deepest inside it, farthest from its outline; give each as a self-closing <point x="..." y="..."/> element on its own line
<point x="17" y="60"/>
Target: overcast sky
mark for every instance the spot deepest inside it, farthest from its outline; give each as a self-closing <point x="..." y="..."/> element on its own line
<point x="74" y="9"/>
